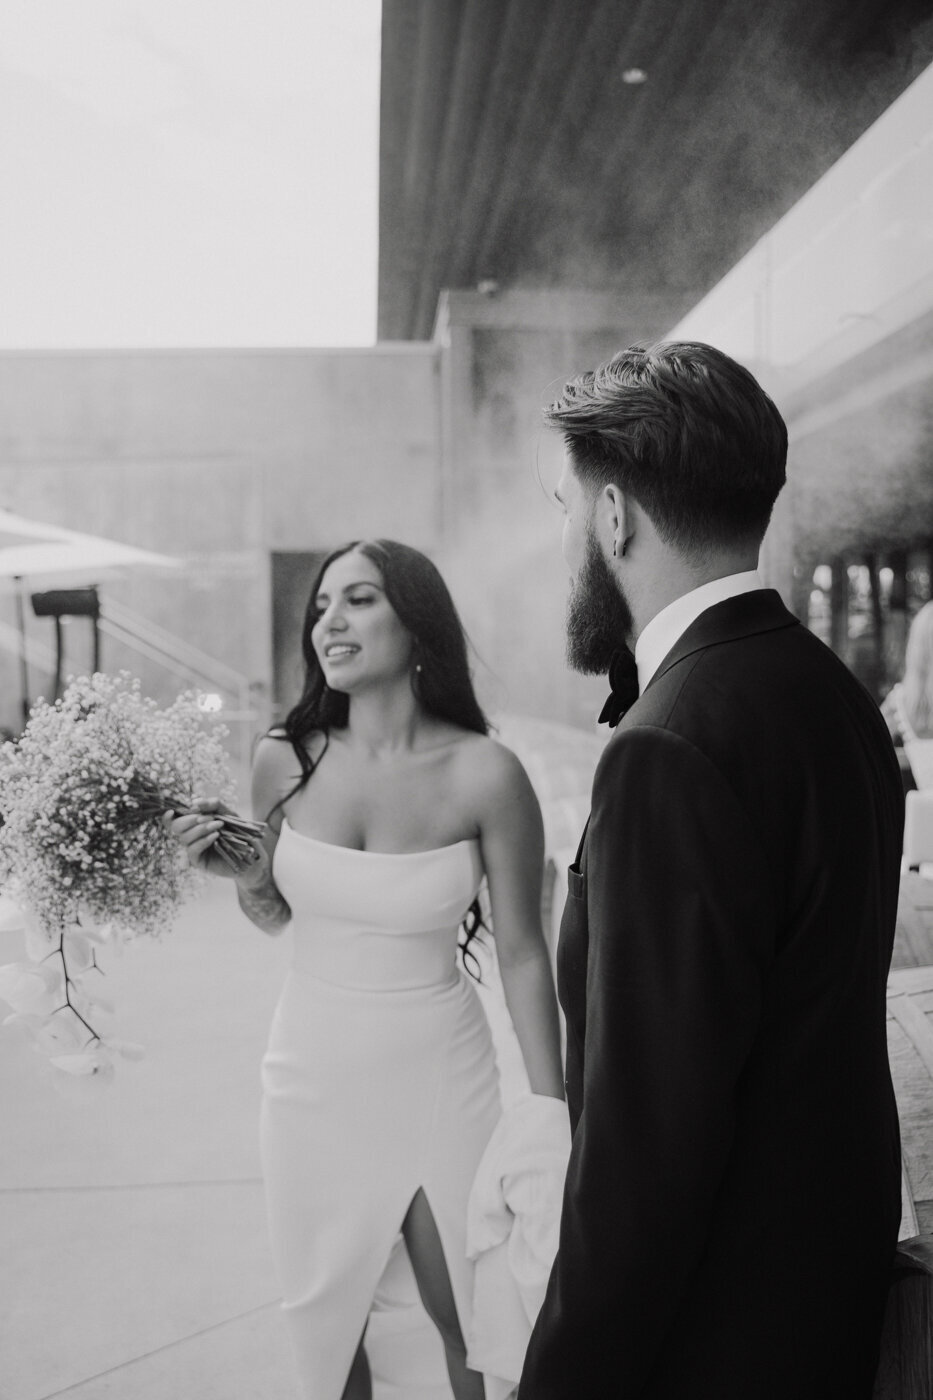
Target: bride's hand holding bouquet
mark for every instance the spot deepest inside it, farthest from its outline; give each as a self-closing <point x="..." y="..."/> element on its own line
<point x="84" y="853"/>
<point x="200" y="830"/>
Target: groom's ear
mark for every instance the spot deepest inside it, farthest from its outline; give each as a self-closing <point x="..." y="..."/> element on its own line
<point x="615" y="517"/>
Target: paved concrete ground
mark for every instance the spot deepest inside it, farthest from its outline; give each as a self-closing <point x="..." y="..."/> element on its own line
<point x="913" y="940"/>
<point x="135" y="1264"/>
<point x="135" y="1260"/>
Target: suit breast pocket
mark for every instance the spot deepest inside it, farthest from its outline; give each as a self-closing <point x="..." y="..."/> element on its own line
<point x="572" y="945"/>
<point x="575" y="885"/>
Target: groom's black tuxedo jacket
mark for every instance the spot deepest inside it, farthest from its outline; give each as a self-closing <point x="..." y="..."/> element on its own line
<point x="733" y="1193"/>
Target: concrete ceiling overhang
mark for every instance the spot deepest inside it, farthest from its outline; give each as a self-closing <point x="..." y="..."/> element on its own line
<point x="518" y="143"/>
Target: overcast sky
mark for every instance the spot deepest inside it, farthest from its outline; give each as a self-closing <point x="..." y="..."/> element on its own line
<point x="188" y="172"/>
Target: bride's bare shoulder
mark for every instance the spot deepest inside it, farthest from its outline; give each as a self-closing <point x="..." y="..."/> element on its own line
<point x="277" y="768"/>
<point x="275" y="752"/>
<point x="498" y="793"/>
<point x="487" y="763"/>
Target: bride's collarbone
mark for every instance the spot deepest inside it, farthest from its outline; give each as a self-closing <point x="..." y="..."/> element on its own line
<point x="443" y="765"/>
<point x="443" y="747"/>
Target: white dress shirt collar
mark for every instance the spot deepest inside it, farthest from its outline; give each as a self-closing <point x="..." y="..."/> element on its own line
<point x="669" y="625"/>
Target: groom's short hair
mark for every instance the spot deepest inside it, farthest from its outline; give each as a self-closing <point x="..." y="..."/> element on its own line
<point x="684" y="429"/>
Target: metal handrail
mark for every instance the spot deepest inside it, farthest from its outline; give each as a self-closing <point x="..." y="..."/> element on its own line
<point x="209" y="667"/>
<point x="160" y="655"/>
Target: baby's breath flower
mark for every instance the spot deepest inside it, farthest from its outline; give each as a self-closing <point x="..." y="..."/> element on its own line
<point x="80" y="841"/>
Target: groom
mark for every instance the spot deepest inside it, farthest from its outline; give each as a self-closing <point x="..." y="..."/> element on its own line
<point x="732" y="1200"/>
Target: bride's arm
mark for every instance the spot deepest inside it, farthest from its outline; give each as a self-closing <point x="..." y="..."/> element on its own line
<point x="512" y="840"/>
<point x="259" y="896"/>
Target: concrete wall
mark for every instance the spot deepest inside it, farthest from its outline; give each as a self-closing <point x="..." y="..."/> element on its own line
<point x="216" y="458"/>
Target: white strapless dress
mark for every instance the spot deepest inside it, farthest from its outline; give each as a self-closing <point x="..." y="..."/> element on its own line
<point x="379" y="1079"/>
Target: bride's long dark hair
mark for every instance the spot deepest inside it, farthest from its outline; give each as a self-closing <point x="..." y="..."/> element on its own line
<point x="440" y="678"/>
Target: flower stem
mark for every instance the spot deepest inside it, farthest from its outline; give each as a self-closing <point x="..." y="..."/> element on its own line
<point x="68" y="1002"/>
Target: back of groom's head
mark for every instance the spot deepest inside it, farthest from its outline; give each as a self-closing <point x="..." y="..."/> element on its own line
<point x="687" y="432"/>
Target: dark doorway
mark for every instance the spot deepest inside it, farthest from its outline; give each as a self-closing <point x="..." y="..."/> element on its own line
<point x="293" y="572"/>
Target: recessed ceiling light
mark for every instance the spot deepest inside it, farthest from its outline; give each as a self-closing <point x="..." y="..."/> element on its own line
<point x="634" y="76"/>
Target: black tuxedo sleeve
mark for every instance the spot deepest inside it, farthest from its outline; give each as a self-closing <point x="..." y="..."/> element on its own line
<point x="681" y="916"/>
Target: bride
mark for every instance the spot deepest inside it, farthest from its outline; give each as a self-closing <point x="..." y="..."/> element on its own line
<point x="387" y="804"/>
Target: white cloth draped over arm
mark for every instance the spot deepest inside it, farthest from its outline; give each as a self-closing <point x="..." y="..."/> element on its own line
<point x="513" y="1222"/>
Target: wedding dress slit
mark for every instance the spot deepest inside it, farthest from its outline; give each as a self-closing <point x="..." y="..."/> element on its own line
<point x="379" y="1083"/>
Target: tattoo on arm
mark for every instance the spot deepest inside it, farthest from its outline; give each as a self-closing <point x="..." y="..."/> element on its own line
<point x="264" y="904"/>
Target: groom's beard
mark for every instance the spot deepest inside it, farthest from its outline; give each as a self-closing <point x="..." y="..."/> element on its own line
<point x="598" y="616"/>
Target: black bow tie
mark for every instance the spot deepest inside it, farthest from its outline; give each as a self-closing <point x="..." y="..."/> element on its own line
<point x="623" y="677"/>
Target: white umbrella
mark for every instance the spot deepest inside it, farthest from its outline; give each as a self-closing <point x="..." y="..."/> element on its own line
<point x="36" y="549"/>
<point x="32" y="547"/>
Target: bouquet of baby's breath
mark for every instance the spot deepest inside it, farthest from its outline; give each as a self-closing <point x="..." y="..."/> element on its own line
<point x="84" y="854"/>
